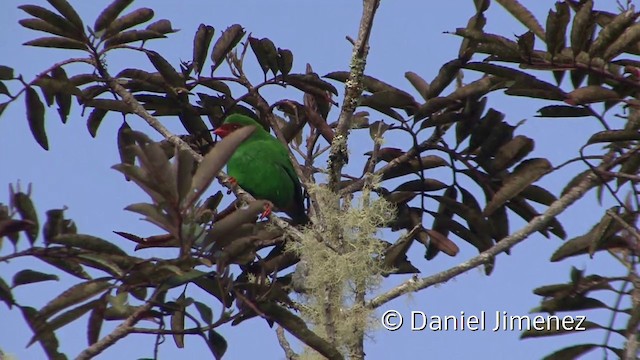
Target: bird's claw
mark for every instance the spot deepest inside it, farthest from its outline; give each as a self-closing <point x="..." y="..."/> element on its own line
<point x="266" y="212"/>
<point x="232" y="182"/>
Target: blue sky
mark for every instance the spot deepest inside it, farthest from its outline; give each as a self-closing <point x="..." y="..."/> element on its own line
<point x="407" y="36"/>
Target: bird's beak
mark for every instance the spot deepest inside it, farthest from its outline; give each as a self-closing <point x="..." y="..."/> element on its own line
<point x="222" y="131"/>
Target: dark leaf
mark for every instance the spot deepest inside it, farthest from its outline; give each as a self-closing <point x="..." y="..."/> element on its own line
<point x="94" y="120"/>
<point x="109" y="14"/>
<point x="230" y="37"/>
<point x="218" y="344"/>
<point x="571" y="352"/>
<point x="68" y="29"/>
<point x="68" y="12"/>
<point x="129" y="36"/>
<point x="96" y="318"/>
<point x="214" y="161"/>
<point x="201" y="42"/>
<point x="57" y="42"/>
<point x="31" y="276"/>
<point x="554" y="111"/>
<point x="130" y="20"/>
<point x="5" y="294"/>
<point x="88" y="242"/>
<point x="27" y="212"/>
<point x="525" y="174"/>
<point x="35" y="116"/>
<point x="614" y="136"/>
<point x="75" y="295"/>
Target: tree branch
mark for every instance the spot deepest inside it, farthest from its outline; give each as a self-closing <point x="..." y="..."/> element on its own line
<point x="353" y="90"/>
<point x="508" y="242"/>
<point x="121" y="331"/>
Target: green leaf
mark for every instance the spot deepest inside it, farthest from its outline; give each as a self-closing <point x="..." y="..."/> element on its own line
<point x="46" y="336"/>
<point x="31" y="276"/>
<point x="64" y="319"/>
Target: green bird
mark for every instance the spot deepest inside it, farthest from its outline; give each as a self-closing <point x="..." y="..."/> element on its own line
<point x="261" y="166"/>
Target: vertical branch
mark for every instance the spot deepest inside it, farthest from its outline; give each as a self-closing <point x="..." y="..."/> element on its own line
<point x="353" y="90"/>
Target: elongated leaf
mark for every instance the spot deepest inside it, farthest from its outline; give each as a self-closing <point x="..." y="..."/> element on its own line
<point x="420" y="84"/>
<point x="614" y="136"/>
<point x="525" y="174"/>
<point x="35" y="116"/>
<point x="67" y="29"/>
<point x="27" y="212"/>
<point x="94" y="120"/>
<point x="75" y="295"/>
<point x="88" y="242"/>
<point x="556" y="111"/>
<point x="229" y="38"/>
<point x="5" y="293"/>
<point x="109" y="14"/>
<point x="206" y="314"/>
<point x="582" y="29"/>
<point x="218" y="344"/>
<point x="47" y="338"/>
<point x="591" y="94"/>
<point x="129" y="36"/>
<point x="66" y="10"/>
<point x="177" y="321"/>
<point x="201" y="42"/>
<point x="571" y="352"/>
<point x="96" y="319"/>
<point x="63" y="319"/>
<point x="285" y="61"/>
<point x="214" y="161"/>
<point x="629" y="37"/>
<point x="512" y="152"/>
<point x="130" y="20"/>
<point x="57" y="42"/>
<point x="524" y="16"/>
<point x="166" y="70"/>
<point x="610" y="33"/>
<point x="41" y="25"/>
<point x="69" y="266"/>
<point x="28" y="276"/>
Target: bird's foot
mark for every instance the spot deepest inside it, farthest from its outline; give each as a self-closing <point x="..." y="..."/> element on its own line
<point x="232" y="182"/>
<point x="267" y="211"/>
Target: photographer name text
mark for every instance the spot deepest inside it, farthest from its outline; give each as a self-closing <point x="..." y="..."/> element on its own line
<point x="493" y="321"/>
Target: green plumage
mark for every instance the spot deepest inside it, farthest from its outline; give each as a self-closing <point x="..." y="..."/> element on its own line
<point x="261" y="166"/>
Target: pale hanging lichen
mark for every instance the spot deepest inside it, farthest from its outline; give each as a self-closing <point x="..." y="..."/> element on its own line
<point x="347" y="260"/>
